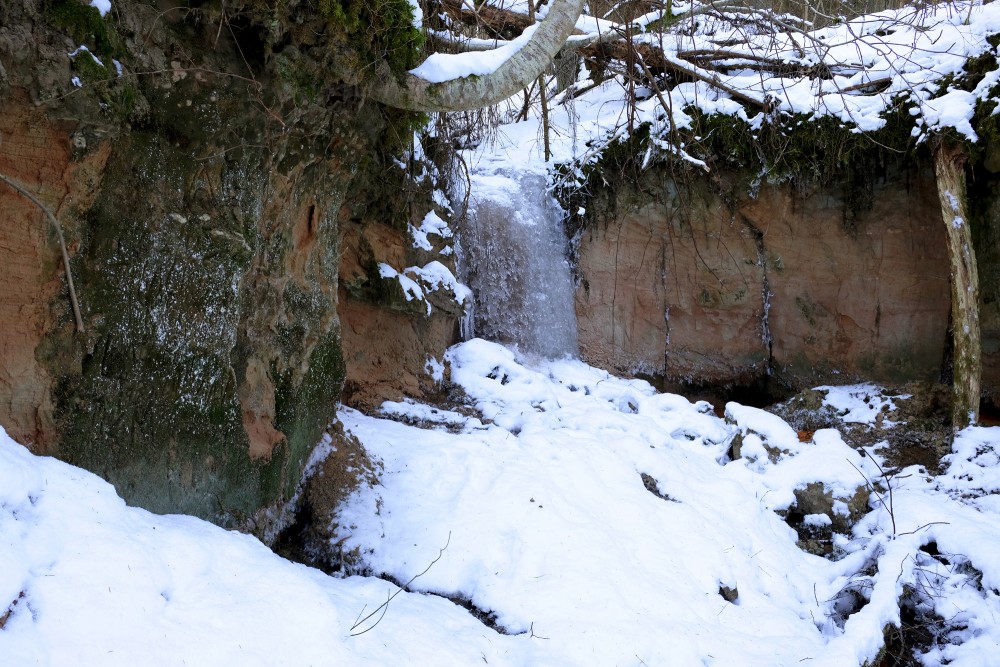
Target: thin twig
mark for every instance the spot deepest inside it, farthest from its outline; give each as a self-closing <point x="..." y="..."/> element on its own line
<point x="926" y="525"/>
<point x="888" y="486"/>
<point x="62" y="246"/>
<point x="384" y="607"/>
<point x="888" y="483"/>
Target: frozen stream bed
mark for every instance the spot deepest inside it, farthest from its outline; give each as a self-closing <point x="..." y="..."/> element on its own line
<point x="588" y="519"/>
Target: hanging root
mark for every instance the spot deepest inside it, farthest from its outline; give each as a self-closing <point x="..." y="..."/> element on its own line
<point x="62" y="245"/>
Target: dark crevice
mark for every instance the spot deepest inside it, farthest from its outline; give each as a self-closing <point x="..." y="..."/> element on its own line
<point x="856" y="595"/>
<point x="765" y="321"/>
<point x="989" y="411"/>
<point x="251" y="41"/>
<point x="299" y="542"/>
<point x="487" y="617"/>
<point x="763" y="392"/>
<point x="654" y="487"/>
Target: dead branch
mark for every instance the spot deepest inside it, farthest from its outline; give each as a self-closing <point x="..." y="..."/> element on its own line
<point x="62" y="245"/>
<point x="384" y="607"/>
<point x="501" y="23"/>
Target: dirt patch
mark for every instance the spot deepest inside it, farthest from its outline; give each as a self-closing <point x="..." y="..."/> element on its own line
<point x="917" y="432"/>
<point x="926" y="435"/>
<point x="315" y="536"/>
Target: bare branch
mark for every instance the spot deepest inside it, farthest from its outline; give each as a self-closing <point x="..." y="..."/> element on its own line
<point x="62" y="245"/>
<point x="384" y="607"/>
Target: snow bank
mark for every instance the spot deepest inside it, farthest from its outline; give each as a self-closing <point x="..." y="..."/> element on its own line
<point x="596" y="522"/>
<point x="441" y="67"/>
<point x="86" y="580"/>
<point x="605" y="517"/>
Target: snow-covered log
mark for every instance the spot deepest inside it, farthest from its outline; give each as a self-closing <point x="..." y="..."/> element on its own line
<point x="473" y="91"/>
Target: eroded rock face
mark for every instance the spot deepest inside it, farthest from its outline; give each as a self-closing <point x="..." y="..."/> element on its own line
<point x="201" y="191"/>
<point x="38" y="152"/>
<point x="987" y="241"/>
<point x="391" y="343"/>
<point x="672" y="289"/>
<point x="697" y="289"/>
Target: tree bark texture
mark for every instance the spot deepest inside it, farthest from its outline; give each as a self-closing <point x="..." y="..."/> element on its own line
<point x="949" y="167"/>
<point x="475" y="92"/>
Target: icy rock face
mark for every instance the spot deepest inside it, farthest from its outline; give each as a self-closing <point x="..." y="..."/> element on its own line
<point x="514" y="259"/>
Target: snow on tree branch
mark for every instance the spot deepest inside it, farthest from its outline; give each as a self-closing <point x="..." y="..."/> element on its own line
<point x="457" y="82"/>
<point x="709" y="55"/>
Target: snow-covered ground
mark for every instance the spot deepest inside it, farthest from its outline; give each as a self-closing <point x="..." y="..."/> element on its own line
<point x="596" y="521"/>
<point x="588" y="519"/>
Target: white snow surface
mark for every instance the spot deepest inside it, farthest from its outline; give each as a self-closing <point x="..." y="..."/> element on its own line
<point x="90" y="581"/>
<point x="540" y="514"/>
<point x="425" y="279"/>
<point x="441" y="67"/>
<point x="859" y="403"/>
<point x="431" y="224"/>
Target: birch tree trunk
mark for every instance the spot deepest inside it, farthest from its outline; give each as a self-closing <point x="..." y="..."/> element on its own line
<point x="476" y="92"/>
<point x="949" y="167"/>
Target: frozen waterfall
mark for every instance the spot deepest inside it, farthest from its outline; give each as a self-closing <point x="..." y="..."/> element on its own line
<point x="513" y="256"/>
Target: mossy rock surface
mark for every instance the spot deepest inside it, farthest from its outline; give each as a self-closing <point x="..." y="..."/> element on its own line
<point x="207" y="266"/>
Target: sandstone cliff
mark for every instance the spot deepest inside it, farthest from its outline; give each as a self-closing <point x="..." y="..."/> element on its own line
<point x="204" y="162"/>
<point x="724" y="280"/>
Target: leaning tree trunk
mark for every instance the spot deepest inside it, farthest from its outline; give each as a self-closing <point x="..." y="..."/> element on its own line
<point x="478" y="91"/>
<point x="949" y="166"/>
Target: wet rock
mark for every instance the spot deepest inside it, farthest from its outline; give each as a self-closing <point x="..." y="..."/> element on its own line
<point x="817" y="514"/>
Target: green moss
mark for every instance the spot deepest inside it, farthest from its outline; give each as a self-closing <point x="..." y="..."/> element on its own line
<point x="400" y="127"/>
<point x="809" y="310"/>
<point x="154" y="409"/>
<point x="297" y="76"/>
<point x="119" y="96"/>
<point x="86" y="67"/>
<point x="303" y="410"/>
<point x="86" y="25"/>
<point x="379" y="29"/>
<point x="802" y="148"/>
